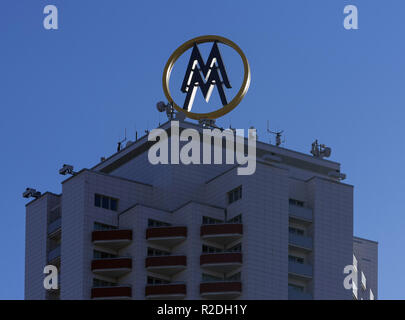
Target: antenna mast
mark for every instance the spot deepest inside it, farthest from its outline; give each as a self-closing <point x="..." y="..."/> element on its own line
<point x="122" y="141"/>
<point x="278" y="134"/>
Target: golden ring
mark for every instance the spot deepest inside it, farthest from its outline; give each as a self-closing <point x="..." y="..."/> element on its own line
<point x="223" y="110"/>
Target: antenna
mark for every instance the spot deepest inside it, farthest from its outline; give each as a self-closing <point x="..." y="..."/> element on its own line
<point x="122" y="141"/>
<point x="136" y="133"/>
<point x="278" y="135"/>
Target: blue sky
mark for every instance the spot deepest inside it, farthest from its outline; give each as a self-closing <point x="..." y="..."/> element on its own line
<point x="67" y="95"/>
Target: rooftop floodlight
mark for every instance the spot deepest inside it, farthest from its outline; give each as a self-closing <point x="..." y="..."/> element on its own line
<point x="169" y="109"/>
<point x="161" y="106"/>
<point x="66" y="169"/>
<point x="30" y="192"/>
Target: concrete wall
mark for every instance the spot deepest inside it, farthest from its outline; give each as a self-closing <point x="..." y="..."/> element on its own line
<point x="36" y="245"/>
<point x="332" y="205"/>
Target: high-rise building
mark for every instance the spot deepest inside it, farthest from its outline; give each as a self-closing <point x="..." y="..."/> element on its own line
<point x="129" y="229"/>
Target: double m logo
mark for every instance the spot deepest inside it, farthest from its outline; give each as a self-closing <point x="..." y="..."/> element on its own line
<point x="205" y="75"/>
<point x="211" y="72"/>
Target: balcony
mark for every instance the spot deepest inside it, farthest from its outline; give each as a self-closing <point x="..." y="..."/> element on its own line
<point x="299" y="241"/>
<point x="166" y="236"/>
<point x="166" y="265"/>
<point x="55" y="226"/>
<point x="300" y="269"/>
<point x="221" y="289"/>
<point x="166" y="291"/>
<point x="222" y="234"/>
<point x="295" y="294"/>
<point x="112" y="267"/>
<point x="221" y="262"/>
<point x="112" y="239"/>
<point x="300" y="213"/>
<point x="117" y="292"/>
<point x="54" y="255"/>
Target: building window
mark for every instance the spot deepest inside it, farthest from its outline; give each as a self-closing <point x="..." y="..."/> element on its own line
<point x="54" y="215"/>
<point x="209" y="220"/>
<point x="156" y="223"/>
<point x="156" y="252"/>
<point x="296" y="202"/>
<point x="209" y="249"/>
<point x="236" y="248"/>
<point x="101" y="283"/>
<point x="105" y="202"/>
<point x="97" y="200"/>
<point x="234" y="277"/>
<point x="103" y="255"/>
<point x="207" y="277"/>
<point x="113" y="204"/>
<point x="156" y="281"/>
<point x="237" y="219"/>
<point x="296" y="287"/>
<point x="296" y="231"/>
<point x="102" y="226"/>
<point x="295" y="259"/>
<point x="235" y="195"/>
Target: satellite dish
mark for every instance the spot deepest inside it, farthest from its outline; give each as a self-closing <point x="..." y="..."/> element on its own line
<point x="161" y="106"/>
<point x="327" y="152"/>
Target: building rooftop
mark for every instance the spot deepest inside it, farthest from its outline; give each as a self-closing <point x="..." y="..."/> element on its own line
<point x="279" y="154"/>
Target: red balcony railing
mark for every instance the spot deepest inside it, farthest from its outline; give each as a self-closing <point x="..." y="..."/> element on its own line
<point x="219" y="258"/>
<point x="114" y="263"/>
<point x="164" y="290"/>
<point x="110" y="235"/>
<point x="111" y="292"/>
<point x="224" y="289"/>
<point x="166" y="232"/>
<point x="159" y="261"/>
<point x="221" y="229"/>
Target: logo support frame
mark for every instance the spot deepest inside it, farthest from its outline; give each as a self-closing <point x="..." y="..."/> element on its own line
<point x="224" y="109"/>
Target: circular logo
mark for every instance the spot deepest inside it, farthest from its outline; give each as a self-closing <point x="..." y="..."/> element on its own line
<point x="210" y="71"/>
